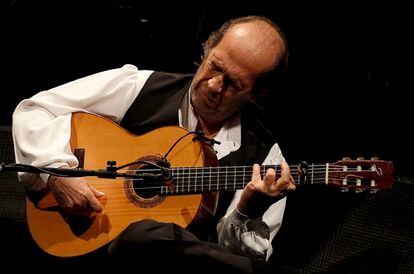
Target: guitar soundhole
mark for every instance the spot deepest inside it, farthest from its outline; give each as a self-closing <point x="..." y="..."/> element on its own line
<point x="147" y="188"/>
<point x="143" y="192"/>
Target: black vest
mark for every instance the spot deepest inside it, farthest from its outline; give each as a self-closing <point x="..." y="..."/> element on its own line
<point x="158" y="103"/>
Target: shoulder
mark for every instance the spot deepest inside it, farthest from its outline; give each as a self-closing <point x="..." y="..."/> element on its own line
<point x="171" y="77"/>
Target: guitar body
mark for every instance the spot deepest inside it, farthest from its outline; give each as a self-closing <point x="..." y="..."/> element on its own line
<point x="102" y="140"/>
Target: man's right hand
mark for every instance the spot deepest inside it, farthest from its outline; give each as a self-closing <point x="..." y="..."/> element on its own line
<point x="75" y="195"/>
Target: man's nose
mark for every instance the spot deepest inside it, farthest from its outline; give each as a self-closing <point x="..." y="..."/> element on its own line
<point x="215" y="84"/>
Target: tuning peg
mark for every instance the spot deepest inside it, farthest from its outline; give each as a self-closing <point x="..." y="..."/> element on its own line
<point x="375" y="158"/>
<point x="360" y="158"/>
<point x="346" y="158"/>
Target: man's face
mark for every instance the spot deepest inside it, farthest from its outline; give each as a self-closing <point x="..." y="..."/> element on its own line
<point x="219" y="88"/>
<point x="225" y="79"/>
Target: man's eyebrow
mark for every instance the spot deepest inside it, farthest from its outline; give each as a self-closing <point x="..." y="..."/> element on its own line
<point x="217" y="65"/>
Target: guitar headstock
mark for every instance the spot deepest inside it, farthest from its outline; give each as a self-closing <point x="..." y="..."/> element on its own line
<point x="361" y="175"/>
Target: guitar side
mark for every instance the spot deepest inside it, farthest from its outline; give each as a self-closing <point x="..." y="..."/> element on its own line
<point x="66" y="236"/>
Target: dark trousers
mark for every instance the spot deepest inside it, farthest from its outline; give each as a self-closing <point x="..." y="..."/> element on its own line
<point x="149" y="244"/>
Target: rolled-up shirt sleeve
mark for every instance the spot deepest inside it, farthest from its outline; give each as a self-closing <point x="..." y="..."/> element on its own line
<point x="240" y="233"/>
<point x="253" y="236"/>
<point x="42" y="124"/>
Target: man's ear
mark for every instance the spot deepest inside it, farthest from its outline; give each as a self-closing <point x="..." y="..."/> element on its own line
<point x="198" y="63"/>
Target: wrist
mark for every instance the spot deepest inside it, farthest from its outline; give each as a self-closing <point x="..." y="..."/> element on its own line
<point x="52" y="179"/>
<point x="247" y="207"/>
<point x="241" y="214"/>
<point x="254" y="204"/>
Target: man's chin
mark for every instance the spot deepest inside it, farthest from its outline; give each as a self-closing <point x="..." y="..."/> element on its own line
<point x="215" y="120"/>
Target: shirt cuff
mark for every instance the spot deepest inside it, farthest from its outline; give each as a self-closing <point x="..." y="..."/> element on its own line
<point x="241" y="219"/>
<point x="45" y="176"/>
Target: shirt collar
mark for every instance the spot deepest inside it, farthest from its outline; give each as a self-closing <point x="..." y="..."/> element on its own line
<point x="229" y="135"/>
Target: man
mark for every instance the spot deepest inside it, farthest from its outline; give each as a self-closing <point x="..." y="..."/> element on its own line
<point x="238" y="62"/>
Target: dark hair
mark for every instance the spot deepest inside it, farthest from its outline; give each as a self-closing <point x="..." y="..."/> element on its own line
<point x="266" y="81"/>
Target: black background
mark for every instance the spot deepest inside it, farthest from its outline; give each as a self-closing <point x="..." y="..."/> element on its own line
<point x="346" y="93"/>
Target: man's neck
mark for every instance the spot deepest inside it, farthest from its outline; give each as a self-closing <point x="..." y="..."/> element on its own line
<point x="210" y="129"/>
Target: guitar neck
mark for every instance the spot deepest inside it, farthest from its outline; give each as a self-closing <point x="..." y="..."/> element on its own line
<point x="358" y="175"/>
<point x="202" y="179"/>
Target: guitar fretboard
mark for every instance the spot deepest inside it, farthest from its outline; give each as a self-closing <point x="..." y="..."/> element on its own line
<point x="191" y="180"/>
<point x="201" y="179"/>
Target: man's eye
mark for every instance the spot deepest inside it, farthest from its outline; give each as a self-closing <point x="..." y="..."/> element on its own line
<point x="214" y="66"/>
<point x="227" y="80"/>
<point x="235" y="84"/>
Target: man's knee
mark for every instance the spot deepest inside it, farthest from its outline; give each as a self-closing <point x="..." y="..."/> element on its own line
<point x="138" y="234"/>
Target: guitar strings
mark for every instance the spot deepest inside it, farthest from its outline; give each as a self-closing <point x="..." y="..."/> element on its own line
<point x="188" y="180"/>
<point x="191" y="184"/>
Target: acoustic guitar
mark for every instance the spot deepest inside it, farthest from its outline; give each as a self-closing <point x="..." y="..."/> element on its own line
<point x="183" y="193"/>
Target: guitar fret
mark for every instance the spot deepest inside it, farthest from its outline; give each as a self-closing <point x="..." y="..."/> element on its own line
<point x="195" y="181"/>
<point x="176" y="185"/>
<point x="217" y="172"/>
<point x="188" y="183"/>
<point x="202" y="185"/>
<point x="244" y="175"/>
<point x="234" y="180"/>
<point x="225" y="182"/>
<point x="312" y="173"/>
<point x="209" y="180"/>
<point x="178" y="179"/>
<point x="182" y="180"/>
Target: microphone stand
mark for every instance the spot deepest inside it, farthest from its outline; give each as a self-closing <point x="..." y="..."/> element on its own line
<point x="110" y="171"/>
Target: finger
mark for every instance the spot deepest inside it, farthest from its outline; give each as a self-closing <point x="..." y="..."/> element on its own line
<point x="82" y="210"/>
<point x="95" y="204"/>
<point x="96" y="193"/>
<point x="93" y="201"/>
<point x="256" y="177"/>
<point x="285" y="171"/>
<point x="77" y="209"/>
<point x="291" y="186"/>
<point x="270" y="176"/>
